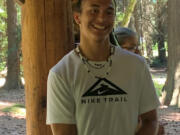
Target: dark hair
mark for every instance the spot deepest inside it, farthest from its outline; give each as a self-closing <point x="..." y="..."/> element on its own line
<point x="76" y="5"/>
<point x="123" y="33"/>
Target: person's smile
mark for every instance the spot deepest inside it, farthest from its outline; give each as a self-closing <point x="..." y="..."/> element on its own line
<point x="99" y="27"/>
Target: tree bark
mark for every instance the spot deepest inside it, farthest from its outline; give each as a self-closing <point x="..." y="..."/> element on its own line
<point x="161" y="26"/>
<point x="13" y="80"/>
<point x="146" y="12"/>
<point x="128" y="13"/>
<point x="149" y="44"/>
<point x="171" y="92"/>
<point x="161" y="48"/>
<point x="139" y="24"/>
<point x="137" y="19"/>
<point x="46" y="37"/>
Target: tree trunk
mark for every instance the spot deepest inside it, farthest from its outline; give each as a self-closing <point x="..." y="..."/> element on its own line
<point x="132" y="23"/>
<point x="149" y="48"/>
<point x="161" y="48"/>
<point x="161" y="21"/>
<point x="146" y="12"/>
<point x="141" y="28"/>
<point x="13" y="80"/>
<point x="125" y="4"/>
<point x="137" y="19"/>
<point x="128" y="13"/>
<point x="171" y="92"/>
<point x="46" y="37"/>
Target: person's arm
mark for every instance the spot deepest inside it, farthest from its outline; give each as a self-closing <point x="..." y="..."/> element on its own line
<point x="64" y="129"/>
<point x="149" y="123"/>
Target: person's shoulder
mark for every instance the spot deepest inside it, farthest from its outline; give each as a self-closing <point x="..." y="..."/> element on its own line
<point x="128" y="54"/>
<point x="65" y="63"/>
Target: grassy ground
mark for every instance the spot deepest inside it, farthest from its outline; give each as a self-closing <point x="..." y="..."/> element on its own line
<point x="158" y="87"/>
<point x="159" y="78"/>
<point x="16" y="109"/>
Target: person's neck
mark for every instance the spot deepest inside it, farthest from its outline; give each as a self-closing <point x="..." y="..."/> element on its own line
<point x="95" y="51"/>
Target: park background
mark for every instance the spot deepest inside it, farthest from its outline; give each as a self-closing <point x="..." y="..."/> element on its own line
<point x="155" y="21"/>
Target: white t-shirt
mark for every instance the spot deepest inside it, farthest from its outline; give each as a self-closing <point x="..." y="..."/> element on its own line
<point x="107" y="106"/>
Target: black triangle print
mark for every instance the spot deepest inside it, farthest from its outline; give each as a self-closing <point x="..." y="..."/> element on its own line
<point x="104" y="87"/>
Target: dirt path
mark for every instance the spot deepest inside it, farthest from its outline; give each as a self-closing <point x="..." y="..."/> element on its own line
<point x="14" y="124"/>
<point x="170" y="118"/>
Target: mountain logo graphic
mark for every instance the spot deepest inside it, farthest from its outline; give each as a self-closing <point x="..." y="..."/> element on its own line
<point x="104" y="87"/>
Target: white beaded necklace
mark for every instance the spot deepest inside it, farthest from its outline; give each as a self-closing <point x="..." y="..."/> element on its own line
<point x="86" y="62"/>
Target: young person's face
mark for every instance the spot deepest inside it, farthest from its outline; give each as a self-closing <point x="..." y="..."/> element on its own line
<point x="96" y="19"/>
<point x="130" y="44"/>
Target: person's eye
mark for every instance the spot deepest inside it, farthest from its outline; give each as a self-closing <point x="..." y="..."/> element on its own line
<point x="110" y="12"/>
<point x="94" y="11"/>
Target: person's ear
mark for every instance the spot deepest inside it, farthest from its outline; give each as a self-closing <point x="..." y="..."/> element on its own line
<point x="77" y="17"/>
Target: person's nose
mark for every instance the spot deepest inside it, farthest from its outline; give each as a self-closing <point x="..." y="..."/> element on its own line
<point x="101" y="17"/>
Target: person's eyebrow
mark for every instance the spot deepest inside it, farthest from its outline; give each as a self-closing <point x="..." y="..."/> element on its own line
<point x="111" y="7"/>
<point x="94" y="5"/>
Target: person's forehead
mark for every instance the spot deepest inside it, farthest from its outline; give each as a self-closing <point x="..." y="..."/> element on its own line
<point x="99" y="3"/>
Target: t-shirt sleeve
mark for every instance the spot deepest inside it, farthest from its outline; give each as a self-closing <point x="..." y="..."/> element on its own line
<point x="60" y="102"/>
<point x="148" y="98"/>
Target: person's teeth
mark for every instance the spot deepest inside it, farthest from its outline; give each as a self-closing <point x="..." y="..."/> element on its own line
<point x="99" y="27"/>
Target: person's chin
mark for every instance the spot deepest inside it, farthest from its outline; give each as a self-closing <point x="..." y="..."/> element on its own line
<point x="100" y="34"/>
<point x="99" y="37"/>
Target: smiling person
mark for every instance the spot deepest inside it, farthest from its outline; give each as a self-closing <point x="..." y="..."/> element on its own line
<point x="93" y="90"/>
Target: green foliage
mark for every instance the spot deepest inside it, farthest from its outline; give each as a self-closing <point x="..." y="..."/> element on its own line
<point x="18" y="14"/>
<point x="2" y="64"/>
<point x="3" y="18"/>
<point x="156" y="62"/>
<point x="158" y="87"/>
<point x="155" y="46"/>
<point x="19" y="33"/>
<point x="119" y="18"/>
<point x="3" y="35"/>
<point x="166" y="45"/>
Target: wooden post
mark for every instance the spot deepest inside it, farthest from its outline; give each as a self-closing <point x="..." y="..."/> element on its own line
<point x="46" y="38"/>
